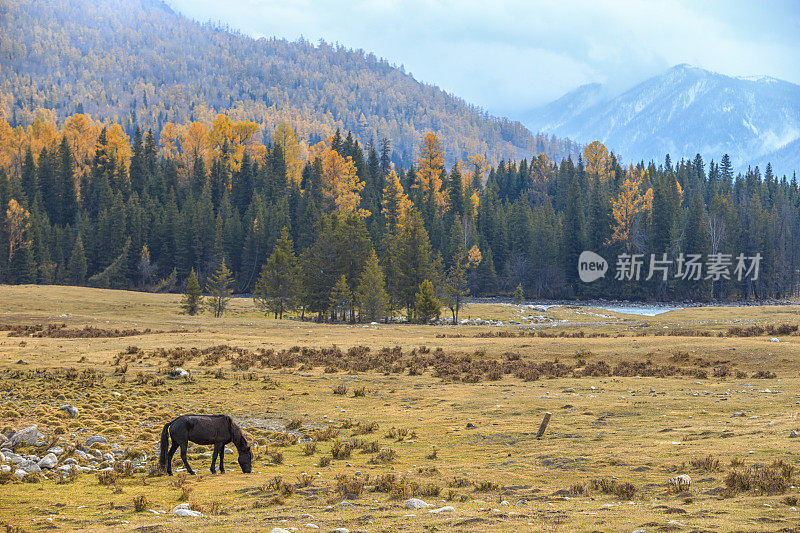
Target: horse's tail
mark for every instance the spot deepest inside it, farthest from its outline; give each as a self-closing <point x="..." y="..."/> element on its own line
<point x="162" y="457"/>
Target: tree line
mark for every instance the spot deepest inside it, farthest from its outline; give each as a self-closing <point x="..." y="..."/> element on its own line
<point x="344" y="233"/>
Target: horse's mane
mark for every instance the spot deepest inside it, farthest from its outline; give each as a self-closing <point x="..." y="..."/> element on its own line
<point x="236" y="435"/>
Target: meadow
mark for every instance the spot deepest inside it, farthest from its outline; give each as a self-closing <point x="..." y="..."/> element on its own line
<point x="349" y="422"/>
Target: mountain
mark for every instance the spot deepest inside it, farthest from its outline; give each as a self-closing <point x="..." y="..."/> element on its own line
<point x="682" y="112"/>
<point x="138" y="62"/>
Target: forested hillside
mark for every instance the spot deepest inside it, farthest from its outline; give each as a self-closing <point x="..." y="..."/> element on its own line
<point x="138" y="63"/>
<point x="345" y="233"/>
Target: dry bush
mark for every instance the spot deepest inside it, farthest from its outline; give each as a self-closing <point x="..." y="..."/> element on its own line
<point x="486" y="486"/>
<point x="364" y="428"/>
<point x="349" y="486"/>
<point x="294" y="423"/>
<point x="186" y="492"/>
<point x="433" y="455"/>
<point x="326" y="434"/>
<point x="310" y="448"/>
<point x="109" y="477"/>
<point x="340" y="389"/>
<point x="459" y="482"/>
<point x="623" y="490"/>
<point x="763" y="479"/>
<point x="359" y="392"/>
<point x="324" y="461"/>
<point x="705" y="464"/>
<point x="140" y="503"/>
<point x="341" y="449"/>
<point x="384" y="457"/>
<point x="305" y="480"/>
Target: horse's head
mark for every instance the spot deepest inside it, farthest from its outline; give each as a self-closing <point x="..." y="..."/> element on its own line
<point x="246" y="460"/>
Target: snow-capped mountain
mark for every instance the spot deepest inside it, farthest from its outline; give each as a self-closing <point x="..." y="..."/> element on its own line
<point x="683" y="112"/>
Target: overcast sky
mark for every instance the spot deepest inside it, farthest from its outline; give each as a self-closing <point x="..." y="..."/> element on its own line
<point x="511" y="55"/>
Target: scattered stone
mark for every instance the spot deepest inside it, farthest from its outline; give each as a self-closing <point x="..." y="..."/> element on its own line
<point x="794" y="434"/>
<point x="340" y="530"/>
<point x="774" y="339"/>
<point x="22" y="362"/>
<point x="178" y="372"/>
<point x="20" y="473"/>
<point x="311" y="526"/>
<point x="70" y="410"/>
<point x="737" y="414"/>
<point x="415" y="503"/>
<point x="56" y="450"/>
<point x="445" y="509"/>
<point x="470" y="425"/>
<point x="185" y="510"/>
<point x="278" y="530"/>
<point x="81" y="454"/>
<point x="29" y="466"/>
<point x="48" y="461"/>
<point x="30" y="435"/>
<point x="5" y="469"/>
<point x="96" y="438"/>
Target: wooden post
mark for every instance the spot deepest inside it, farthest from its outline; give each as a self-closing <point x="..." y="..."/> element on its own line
<point x="543" y="426"/>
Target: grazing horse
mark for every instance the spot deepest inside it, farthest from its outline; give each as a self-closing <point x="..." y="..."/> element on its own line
<point x="218" y="430"/>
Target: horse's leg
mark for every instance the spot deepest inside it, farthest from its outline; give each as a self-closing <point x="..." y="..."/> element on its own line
<point x="221" y="455"/>
<point x="214" y="459"/>
<point x="184" y="446"/>
<point x="171" y="453"/>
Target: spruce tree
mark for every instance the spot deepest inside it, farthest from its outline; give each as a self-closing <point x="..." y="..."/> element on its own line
<point x="340" y="299"/>
<point x="370" y="294"/>
<point x="192" y="296"/>
<point x="455" y="285"/>
<point x="426" y="305"/>
<point x="277" y="288"/>
<point x="77" y="263"/>
<point x="220" y="289"/>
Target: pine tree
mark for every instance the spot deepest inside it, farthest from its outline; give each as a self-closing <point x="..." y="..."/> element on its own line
<point x="574" y="237"/>
<point x="519" y="295"/>
<point x="455" y="288"/>
<point x="370" y="294"/>
<point x="340" y="298"/>
<point x="192" y="295"/>
<point x="77" y="263"/>
<point x="277" y="288"/>
<point x="220" y="289"/>
<point x="426" y="305"/>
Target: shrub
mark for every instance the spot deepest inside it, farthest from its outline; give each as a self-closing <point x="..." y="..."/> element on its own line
<point x="764" y="479"/>
<point x="310" y="448"/>
<point x="349" y="486"/>
<point x="324" y="461"/>
<point x="340" y="389"/>
<point x="341" y="449"/>
<point x="705" y="464"/>
<point x="140" y="503"/>
<point x="293" y="424"/>
<point x="623" y="490"/>
<point x="107" y="478"/>
<point x="385" y="457"/>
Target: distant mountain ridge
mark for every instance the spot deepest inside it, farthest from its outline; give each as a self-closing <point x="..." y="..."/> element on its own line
<point x="138" y="62"/>
<point x="683" y="112"/>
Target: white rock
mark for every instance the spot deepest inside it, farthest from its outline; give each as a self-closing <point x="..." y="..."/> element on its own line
<point x="340" y="530"/>
<point x="445" y="509"/>
<point x="70" y="410"/>
<point x="28" y="436"/>
<point x="415" y="503"/>
<point x="5" y="469"/>
<point x="187" y="513"/>
<point x="48" y="461"/>
<point x="311" y="526"/>
<point x="57" y="450"/>
<point x="794" y="434"/>
<point x="278" y="530"/>
<point x="177" y="373"/>
<point x="20" y="473"/>
<point x="96" y="438"/>
<point x="774" y="339"/>
<point x="185" y="510"/>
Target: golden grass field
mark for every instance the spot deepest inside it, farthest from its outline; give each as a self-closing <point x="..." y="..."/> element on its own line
<point x="608" y="433"/>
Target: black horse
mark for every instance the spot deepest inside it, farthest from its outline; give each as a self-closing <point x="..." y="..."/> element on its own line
<point x="218" y="430"/>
